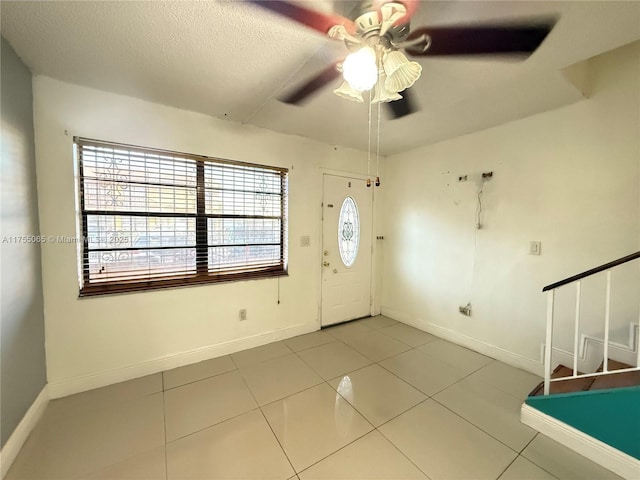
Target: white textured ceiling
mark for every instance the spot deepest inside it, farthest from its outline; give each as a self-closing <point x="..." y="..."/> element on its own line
<point x="231" y="59"/>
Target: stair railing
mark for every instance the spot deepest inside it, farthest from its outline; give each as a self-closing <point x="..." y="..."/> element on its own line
<point x="551" y="289"/>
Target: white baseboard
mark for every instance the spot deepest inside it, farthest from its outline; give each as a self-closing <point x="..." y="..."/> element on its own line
<point x="15" y="442"/>
<point x="493" y="351"/>
<point x="63" y="388"/>
<point x="592" y="448"/>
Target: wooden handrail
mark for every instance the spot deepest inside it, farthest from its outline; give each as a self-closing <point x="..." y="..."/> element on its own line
<point x="593" y="271"/>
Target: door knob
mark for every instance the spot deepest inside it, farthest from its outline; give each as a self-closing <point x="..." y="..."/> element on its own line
<point x="326" y="264"/>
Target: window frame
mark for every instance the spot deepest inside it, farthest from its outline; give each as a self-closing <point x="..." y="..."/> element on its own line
<point x="203" y="275"/>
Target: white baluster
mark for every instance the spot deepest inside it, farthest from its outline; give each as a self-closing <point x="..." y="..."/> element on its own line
<point x="607" y="313"/>
<point x="548" y="345"/>
<point x="638" y="341"/>
<point x="576" y="332"/>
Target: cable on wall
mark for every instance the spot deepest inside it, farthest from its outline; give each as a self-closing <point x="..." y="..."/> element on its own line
<point x="486" y="176"/>
<point x="479" y="210"/>
<point x="278" y="290"/>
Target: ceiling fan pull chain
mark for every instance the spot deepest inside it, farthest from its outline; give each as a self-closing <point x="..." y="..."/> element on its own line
<point x="369" y="145"/>
<point x="378" y="128"/>
<point x="378" y="150"/>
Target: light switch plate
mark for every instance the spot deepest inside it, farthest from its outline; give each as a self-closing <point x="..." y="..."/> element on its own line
<point x="305" y="241"/>
<point x="535" y="248"/>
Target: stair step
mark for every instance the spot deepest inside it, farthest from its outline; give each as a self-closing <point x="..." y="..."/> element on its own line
<point x="614" y="380"/>
<point x="564" y="386"/>
<point x="613" y="365"/>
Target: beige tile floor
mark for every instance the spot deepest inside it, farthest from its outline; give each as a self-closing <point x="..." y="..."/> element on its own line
<point x="372" y="399"/>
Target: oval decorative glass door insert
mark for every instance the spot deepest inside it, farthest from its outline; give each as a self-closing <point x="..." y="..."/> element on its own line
<point x="348" y="231"/>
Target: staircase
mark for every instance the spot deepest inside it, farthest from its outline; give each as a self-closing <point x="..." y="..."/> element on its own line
<point x="583" y="384"/>
<point x="595" y="414"/>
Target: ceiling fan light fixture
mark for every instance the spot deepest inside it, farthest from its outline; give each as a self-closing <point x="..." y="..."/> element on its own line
<point x="345" y="91"/>
<point x="401" y="73"/>
<point x="383" y="95"/>
<point x="360" y="69"/>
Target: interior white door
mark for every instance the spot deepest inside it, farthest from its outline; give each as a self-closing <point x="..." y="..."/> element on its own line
<point x="346" y="245"/>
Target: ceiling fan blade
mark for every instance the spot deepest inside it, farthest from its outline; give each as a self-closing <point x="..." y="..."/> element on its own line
<point x="518" y="39"/>
<point x="306" y="90"/>
<point x="403" y="107"/>
<point x="319" y="21"/>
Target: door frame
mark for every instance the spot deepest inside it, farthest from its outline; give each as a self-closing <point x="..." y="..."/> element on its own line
<point x="374" y="293"/>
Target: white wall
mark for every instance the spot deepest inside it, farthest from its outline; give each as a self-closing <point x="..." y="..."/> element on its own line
<point x="569" y="178"/>
<point x="22" y="354"/>
<point x="99" y="340"/>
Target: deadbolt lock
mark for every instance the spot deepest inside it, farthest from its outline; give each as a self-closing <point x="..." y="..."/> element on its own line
<point x="326" y="253"/>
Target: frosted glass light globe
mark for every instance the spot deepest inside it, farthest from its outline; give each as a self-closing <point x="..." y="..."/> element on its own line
<point x="345" y="91"/>
<point x="401" y="73"/>
<point x="360" y="70"/>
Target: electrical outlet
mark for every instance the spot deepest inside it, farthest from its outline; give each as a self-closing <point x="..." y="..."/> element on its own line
<point x="466" y="311"/>
<point x="243" y="314"/>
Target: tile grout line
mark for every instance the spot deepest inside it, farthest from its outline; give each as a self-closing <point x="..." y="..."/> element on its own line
<point x="507" y="468"/>
<point x="398" y="448"/>
<point x="296" y="472"/>
<point x="317" y="373"/>
<point x="336" y="451"/>
<point x="218" y="422"/>
<point x="200" y="379"/>
<point x="525" y="458"/>
<point x="530" y="460"/>
<point x="528" y="443"/>
<point x="260" y="407"/>
<point x="309" y="388"/>
<point x="284" y="452"/>
<point x="164" y="420"/>
<point x="235" y="364"/>
<point x="431" y="397"/>
<point x="326" y="381"/>
<point x="499" y="388"/>
<point x="398" y="377"/>
<point x="315" y="346"/>
<point x="269" y="425"/>
<point x="377" y="428"/>
<point x="402" y="413"/>
<point x="475" y="426"/>
<point x="212" y="425"/>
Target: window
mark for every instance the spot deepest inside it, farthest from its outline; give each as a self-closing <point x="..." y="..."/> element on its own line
<point x="348" y="232"/>
<point x="153" y="218"/>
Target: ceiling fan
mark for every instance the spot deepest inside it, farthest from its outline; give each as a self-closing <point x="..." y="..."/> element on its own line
<point x="379" y="32"/>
